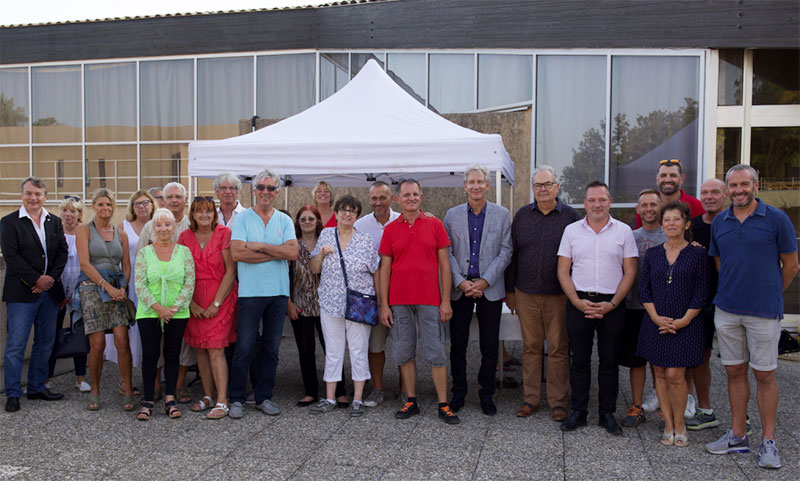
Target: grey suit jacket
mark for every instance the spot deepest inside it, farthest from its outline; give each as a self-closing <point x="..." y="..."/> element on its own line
<point x="495" y="252"/>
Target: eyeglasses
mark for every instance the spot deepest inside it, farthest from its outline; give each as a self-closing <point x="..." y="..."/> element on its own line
<point x="226" y="189"/>
<point x="268" y="188"/>
<point x="307" y="219"/>
<point x="202" y="198"/>
<point x="142" y="203"/>
<point x="670" y="161"/>
<point x="76" y="199"/>
<point x="348" y="211"/>
<point x="545" y="185"/>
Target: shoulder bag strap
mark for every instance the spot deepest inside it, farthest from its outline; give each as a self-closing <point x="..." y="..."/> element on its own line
<point x="341" y="258"/>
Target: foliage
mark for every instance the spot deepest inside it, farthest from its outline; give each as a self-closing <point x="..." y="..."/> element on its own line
<point x="10" y="114"/>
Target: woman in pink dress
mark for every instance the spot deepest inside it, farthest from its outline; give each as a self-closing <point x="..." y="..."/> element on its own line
<point x="212" y="323"/>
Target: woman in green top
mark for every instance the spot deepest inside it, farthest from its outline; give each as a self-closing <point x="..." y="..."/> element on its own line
<point x="164" y="284"/>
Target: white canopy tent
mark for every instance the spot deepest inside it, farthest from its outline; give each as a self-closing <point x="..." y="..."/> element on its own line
<point x="370" y="130"/>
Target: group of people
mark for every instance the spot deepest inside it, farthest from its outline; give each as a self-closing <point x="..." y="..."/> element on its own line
<point x="213" y="287"/>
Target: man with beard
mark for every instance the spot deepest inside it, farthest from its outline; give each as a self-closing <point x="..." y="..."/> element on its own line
<point x="670" y="178"/>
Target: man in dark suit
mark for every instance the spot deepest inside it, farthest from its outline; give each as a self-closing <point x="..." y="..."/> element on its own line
<point x="35" y="252"/>
<point x="480" y="250"/>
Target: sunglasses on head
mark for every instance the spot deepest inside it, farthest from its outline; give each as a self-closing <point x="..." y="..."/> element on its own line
<point x="268" y="188"/>
<point x="202" y="198"/>
<point x="76" y="199"/>
<point x="670" y="161"/>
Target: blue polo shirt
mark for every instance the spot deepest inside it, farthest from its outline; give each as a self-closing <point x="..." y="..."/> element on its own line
<point x="269" y="278"/>
<point x="750" y="277"/>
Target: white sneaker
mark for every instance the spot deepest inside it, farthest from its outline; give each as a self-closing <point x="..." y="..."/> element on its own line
<point x="83" y="386"/>
<point x="651" y="403"/>
<point x="690" y="408"/>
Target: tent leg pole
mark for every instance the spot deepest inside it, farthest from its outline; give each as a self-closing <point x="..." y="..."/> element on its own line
<point x="497" y="187"/>
<point x="286" y="199"/>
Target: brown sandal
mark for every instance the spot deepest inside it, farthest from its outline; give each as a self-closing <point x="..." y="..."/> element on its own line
<point x="172" y="410"/>
<point x="146" y="411"/>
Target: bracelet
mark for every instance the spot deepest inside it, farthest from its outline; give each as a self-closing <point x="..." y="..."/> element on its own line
<point x="612" y="304"/>
<point x="102" y="282"/>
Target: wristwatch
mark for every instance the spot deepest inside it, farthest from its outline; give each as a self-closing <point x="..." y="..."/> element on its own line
<point x="216" y="304"/>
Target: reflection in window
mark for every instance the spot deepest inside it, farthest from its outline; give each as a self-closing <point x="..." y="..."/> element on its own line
<point x="452" y="83"/>
<point x="729" y="150"/>
<point x="570" y="120"/>
<point x="112" y="167"/>
<point x="164" y="163"/>
<point x="776" y="77"/>
<point x="167" y="99"/>
<point x="654" y="117"/>
<point x="14" y="168"/>
<point x="110" y="102"/>
<point x="408" y="71"/>
<point x="504" y="79"/>
<point x="333" y="73"/>
<point x="224" y="95"/>
<point x="285" y="84"/>
<point x="62" y="168"/>
<point x="14" y="106"/>
<point x="730" y="77"/>
<point x="56" y="112"/>
<point x="357" y="61"/>
<point x="775" y="153"/>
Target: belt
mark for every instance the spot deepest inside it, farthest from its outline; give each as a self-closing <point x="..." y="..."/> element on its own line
<point x="593" y="294"/>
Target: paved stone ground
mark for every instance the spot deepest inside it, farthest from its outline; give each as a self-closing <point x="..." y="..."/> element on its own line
<point x="62" y="441"/>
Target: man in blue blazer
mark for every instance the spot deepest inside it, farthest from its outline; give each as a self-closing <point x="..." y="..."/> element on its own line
<point x="35" y="251"/>
<point x="480" y="250"/>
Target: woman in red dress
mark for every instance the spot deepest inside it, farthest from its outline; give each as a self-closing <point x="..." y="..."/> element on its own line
<point x="212" y="324"/>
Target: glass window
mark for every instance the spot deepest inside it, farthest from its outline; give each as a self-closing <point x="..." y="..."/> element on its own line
<point x="167" y="99"/>
<point x="570" y="120"/>
<point x="112" y="167"/>
<point x="333" y="73"/>
<point x="62" y="168"/>
<point x="56" y="99"/>
<point x="776" y="76"/>
<point x="224" y="95"/>
<point x="110" y="102"/>
<point x="452" y="83"/>
<point x="14" y="106"/>
<point x="163" y="163"/>
<point x="286" y="84"/>
<point x="729" y="150"/>
<point x="504" y="79"/>
<point x="775" y="153"/>
<point x="14" y="168"/>
<point x="408" y="71"/>
<point x="729" y="90"/>
<point x="654" y="117"/>
<point x="357" y="61"/>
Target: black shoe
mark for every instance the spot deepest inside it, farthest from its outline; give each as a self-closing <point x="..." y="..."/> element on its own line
<point x="575" y="420"/>
<point x="457" y="403"/>
<point x="409" y="409"/>
<point x="12" y="404"/>
<point x="487" y="406"/>
<point x="447" y="415"/>
<point x="607" y="421"/>
<point x="46" y="395"/>
<point x="303" y="404"/>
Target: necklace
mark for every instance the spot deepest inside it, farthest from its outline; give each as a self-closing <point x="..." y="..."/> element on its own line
<point x="669" y="278"/>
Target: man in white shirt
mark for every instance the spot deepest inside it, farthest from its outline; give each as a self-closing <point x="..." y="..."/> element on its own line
<point x="227" y="187"/>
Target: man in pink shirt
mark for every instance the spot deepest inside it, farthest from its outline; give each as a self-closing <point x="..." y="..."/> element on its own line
<point x="601" y="252"/>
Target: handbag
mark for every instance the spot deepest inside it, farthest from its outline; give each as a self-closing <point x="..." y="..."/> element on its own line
<point x="70" y="341"/>
<point x="359" y="307"/>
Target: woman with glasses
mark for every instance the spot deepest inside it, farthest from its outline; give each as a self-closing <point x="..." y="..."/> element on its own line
<point x="102" y="285"/>
<point x="303" y="309"/>
<point x="323" y="200"/>
<point x="212" y="322"/>
<point x="361" y="261"/>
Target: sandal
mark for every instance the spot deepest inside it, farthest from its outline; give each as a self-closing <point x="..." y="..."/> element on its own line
<point x="220" y="411"/>
<point x="668" y="438"/>
<point x="172" y="410"/>
<point x="183" y="396"/>
<point x="128" y="403"/>
<point x="202" y="404"/>
<point x="682" y="440"/>
<point x="134" y="390"/>
<point x="94" y="402"/>
<point x="146" y="411"/>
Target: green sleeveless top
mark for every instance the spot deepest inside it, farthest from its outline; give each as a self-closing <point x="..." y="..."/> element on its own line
<point x="169" y="283"/>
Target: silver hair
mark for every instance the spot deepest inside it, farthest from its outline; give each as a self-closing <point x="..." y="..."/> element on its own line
<point x="544" y="168"/>
<point x="316" y="187"/>
<point x="267" y="173"/>
<point x="228" y="177"/>
<point x="477" y="168"/>
<point x="163" y="212"/>
<point x="176" y="185"/>
<point x="753" y="172"/>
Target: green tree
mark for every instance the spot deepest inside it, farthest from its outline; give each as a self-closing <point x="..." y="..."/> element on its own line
<point x="45" y="122"/>
<point x="587" y="164"/>
<point x="10" y="114"/>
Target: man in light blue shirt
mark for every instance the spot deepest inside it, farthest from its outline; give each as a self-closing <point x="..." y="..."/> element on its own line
<point x="262" y="243"/>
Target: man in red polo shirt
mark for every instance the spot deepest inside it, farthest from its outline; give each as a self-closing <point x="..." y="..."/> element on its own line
<point x="670" y="178"/>
<point x="414" y="257"/>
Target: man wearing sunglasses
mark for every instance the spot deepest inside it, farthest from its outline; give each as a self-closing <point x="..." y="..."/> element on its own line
<point x="669" y="179"/>
<point x="263" y="242"/>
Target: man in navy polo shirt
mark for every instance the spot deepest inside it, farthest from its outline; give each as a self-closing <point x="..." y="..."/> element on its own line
<point x="755" y="248"/>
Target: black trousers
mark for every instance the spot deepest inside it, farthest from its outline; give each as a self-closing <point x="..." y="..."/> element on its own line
<point x="581" y="340"/>
<point x="304" y="328"/>
<point x="488" y="335"/>
<point x="150" y="330"/>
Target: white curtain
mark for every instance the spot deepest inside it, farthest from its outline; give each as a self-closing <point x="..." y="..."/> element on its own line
<point x="167" y="97"/>
<point x="452" y="83"/>
<point x="285" y="84"/>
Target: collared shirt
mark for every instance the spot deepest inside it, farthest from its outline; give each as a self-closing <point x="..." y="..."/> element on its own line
<point x="475" y="222"/>
<point x="750" y="275"/>
<point x="535" y="238"/>
<point x="597" y="256"/>
<point x="39" y="228"/>
<point x="236" y="210"/>
<point x="370" y="225"/>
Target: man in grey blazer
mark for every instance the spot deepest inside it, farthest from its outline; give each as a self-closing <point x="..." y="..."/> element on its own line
<point x="480" y="250"/>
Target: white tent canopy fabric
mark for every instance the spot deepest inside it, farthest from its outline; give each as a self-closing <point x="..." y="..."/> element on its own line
<point x="370" y="130"/>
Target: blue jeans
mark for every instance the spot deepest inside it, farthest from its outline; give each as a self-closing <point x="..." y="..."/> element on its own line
<point x="270" y="311"/>
<point x="21" y="316"/>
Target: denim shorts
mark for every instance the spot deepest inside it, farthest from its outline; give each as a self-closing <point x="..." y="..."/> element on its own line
<point x="744" y="338"/>
<point x="409" y="319"/>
